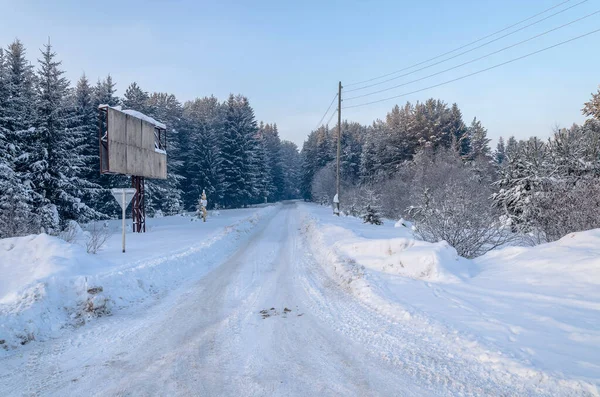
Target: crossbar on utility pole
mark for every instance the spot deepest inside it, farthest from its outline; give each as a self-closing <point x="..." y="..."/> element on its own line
<point x="339" y="145"/>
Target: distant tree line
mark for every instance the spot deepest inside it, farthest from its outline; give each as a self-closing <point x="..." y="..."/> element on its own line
<point x="424" y="163"/>
<point x="49" y="167"/>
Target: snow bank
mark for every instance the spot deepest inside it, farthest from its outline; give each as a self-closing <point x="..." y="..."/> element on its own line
<point x="388" y="249"/>
<point x="573" y="261"/>
<point x="48" y="284"/>
<point x="533" y="312"/>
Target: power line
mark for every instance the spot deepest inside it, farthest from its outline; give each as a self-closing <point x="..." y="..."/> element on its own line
<point x="327" y="111"/>
<point x="332" y="114"/>
<point x="469" y="44"/>
<point x="474" y="60"/>
<point x="477" y="72"/>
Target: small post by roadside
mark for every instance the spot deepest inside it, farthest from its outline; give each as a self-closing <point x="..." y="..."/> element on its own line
<point x="123" y="197"/>
<point x="203" y="204"/>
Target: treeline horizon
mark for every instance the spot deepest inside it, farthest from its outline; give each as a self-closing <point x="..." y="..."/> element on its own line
<point x="49" y="166"/>
<point x="425" y="163"/>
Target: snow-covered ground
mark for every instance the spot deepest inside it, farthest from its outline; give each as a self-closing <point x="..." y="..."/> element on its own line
<point x="290" y="300"/>
<point x="533" y="312"/>
<point x="45" y="280"/>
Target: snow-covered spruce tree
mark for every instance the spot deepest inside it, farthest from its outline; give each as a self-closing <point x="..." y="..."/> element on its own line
<point x="524" y="173"/>
<point x="371" y="206"/>
<point x="86" y="125"/>
<point x="17" y="119"/>
<point x="291" y="170"/>
<point x="351" y="148"/>
<point x="500" y="153"/>
<point x="255" y="168"/>
<point x="166" y="194"/>
<point x="105" y="92"/>
<point x="56" y="168"/>
<point x="135" y="98"/>
<point x="264" y="180"/>
<point x="369" y="161"/>
<point x="236" y="186"/>
<point x="478" y="142"/>
<point x="273" y="159"/>
<point x="14" y="212"/>
<point x="204" y="118"/>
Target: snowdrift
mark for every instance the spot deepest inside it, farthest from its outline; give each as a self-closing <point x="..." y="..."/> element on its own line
<point x="533" y="311"/>
<point x="48" y="284"/>
<point x="571" y="262"/>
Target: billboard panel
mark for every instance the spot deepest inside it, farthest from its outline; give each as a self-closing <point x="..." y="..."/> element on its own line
<point x="132" y="143"/>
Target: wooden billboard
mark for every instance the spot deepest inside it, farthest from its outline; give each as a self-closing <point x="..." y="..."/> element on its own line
<point x="132" y="143"/>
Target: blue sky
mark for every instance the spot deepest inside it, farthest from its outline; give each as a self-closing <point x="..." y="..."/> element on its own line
<point x="288" y="56"/>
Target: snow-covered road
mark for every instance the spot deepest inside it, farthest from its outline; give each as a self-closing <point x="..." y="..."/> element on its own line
<point x="267" y="321"/>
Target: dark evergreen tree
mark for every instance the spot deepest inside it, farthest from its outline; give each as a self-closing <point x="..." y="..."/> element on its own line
<point x="478" y="141"/>
<point x="500" y="154"/>
<point x="166" y="194"/>
<point x="233" y="153"/>
<point x="135" y="98"/>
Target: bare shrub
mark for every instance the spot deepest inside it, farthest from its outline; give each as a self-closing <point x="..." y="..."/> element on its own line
<point x="15" y="217"/>
<point x="452" y="203"/>
<point x="395" y="193"/>
<point x="323" y="186"/>
<point x="96" y="238"/>
<point x="565" y="207"/>
<point x="70" y="232"/>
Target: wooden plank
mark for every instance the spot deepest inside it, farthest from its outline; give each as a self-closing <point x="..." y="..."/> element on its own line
<point x="134" y="131"/>
<point x="147" y="136"/>
<point x="117" y="126"/>
<point x="117" y="157"/>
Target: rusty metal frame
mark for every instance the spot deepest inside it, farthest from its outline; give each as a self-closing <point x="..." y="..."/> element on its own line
<point x="103" y="121"/>
<point x="138" y="205"/>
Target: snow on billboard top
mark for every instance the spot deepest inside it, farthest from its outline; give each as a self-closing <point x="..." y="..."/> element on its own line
<point x="136" y="114"/>
<point x="131" y="143"/>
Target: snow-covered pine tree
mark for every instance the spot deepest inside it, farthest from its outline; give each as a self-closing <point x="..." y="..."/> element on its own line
<point x="57" y="167"/>
<point x="204" y="118"/>
<point x="255" y="169"/>
<point x="233" y="159"/>
<point x="18" y="117"/>
<point x="105" y="92"/>
<point x="500" y="154"/>
<point x="14" y="212"/>
<point x="86" y="124"/>
<point x="351" y="149"/>
<point x="371" y="206"/>
<point x="458" y="131"/>
<point x="135" y="98"/>
<point x="524" y="175"/>
<point x="592" y="107"/>
<point x="369" y="163"/>
<point x="166" y="194"/>
<point x="478" y="141"/>
<point x="264" y="178"/>
<point x="291" y="170"/>
<point x="274" y="160"/>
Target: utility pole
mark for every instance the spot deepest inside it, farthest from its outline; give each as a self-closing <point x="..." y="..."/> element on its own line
<point x="339" y="145"/>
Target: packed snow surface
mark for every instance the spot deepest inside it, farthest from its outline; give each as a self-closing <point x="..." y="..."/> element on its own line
<point x="291" y="300"/>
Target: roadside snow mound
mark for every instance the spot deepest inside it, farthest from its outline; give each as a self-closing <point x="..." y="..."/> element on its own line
<point x="400" y="256"/>
<point x="47" y="284"/>
<point x="26" y="260"/>
<point x="573" y="261"/>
